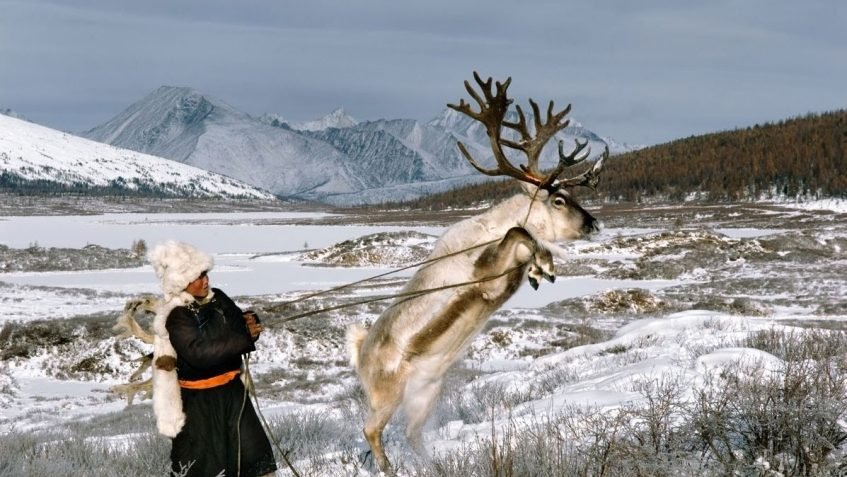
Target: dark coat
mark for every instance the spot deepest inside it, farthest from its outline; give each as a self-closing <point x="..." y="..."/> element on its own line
<point x="209" y="340"/>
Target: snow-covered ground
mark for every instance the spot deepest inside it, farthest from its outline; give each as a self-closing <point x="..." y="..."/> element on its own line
<point x="834" y="205"/>
<point x="37" y="153"/>
<point x="672" y="300"/>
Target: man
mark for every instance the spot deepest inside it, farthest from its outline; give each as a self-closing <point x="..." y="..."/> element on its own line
<point x="198" y="397"/>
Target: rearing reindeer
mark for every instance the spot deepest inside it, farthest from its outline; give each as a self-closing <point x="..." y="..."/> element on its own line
<point x="403" y="357"/>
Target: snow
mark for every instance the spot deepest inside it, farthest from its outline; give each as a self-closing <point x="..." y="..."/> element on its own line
<point x="832" y="204"/>
<point x="38" y="153"/>
<point x="257" y="254"/>
<point x="233" y="240"/>
<point x="336" y="119"/>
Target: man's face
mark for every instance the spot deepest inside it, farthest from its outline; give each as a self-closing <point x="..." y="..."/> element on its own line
<point x="199" y="287"/>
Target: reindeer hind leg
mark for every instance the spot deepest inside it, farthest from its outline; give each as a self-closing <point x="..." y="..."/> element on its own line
<point x="418" y="401"/>
<point x="383" y="398"/>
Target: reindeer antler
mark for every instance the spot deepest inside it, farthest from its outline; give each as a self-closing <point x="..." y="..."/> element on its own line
<point x="129" y="327"/>
<point x="492" y="114"/>
<point x="588" y="178"/>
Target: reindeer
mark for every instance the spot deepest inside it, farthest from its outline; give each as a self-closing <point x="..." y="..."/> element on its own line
<point x="402" y="358"/>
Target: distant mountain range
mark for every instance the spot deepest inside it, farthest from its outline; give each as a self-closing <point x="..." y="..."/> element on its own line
<point x="335" y="119"/>
<point x="335" y="159"/>
<point x="37" y="158"/>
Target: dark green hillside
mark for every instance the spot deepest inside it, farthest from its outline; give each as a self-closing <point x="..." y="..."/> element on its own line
<point x="805" y="155"/>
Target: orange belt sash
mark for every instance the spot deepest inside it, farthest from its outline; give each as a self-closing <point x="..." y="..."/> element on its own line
<point x="212" y="382"/>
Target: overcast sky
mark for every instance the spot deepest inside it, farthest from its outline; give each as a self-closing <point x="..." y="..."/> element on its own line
<point x="642" y="72"/>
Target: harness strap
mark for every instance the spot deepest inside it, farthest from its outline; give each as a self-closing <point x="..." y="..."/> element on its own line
<point x="212" y="382"/>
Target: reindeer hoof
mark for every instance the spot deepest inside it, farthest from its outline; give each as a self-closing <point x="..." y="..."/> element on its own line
<point x="533" y="283"/>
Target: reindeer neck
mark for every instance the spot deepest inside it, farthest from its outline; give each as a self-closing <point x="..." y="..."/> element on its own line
<point x="510" y="213"/>
<point x="487" y="226"/>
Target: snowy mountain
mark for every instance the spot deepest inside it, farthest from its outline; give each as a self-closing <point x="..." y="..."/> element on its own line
<point x="275" y="120"/>
<point x="616" y="147"/>
<point x="335" y="119"/>
<point x="12" y="113"/>
<point x="334" y="159"/>
<point x="33" y="154"/>
<point x="190" y="127"/>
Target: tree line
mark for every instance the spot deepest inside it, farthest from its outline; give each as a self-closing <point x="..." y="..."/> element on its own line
<point x="803" y="156"/>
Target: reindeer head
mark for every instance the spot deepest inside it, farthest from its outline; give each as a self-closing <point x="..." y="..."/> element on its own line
<point x="553" y="213"/>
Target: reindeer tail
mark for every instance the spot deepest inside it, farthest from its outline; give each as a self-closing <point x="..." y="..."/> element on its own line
<point x="355" y="335"/>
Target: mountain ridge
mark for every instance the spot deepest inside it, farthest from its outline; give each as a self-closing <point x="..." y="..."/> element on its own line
<point x="334" y="159"/>
<point x="35" y="157"/>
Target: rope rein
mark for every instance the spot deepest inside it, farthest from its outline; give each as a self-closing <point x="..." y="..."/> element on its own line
<point x="399" y="295"/>
<point x="411" y="294"/>
<point x="374" y="277"/>
<point x="265" y="424"/>
<point x="241" y="413"/>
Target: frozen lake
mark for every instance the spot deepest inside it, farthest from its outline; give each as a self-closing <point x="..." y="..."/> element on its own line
<point x="253" y="233"/>
<point x="253" y="255"/>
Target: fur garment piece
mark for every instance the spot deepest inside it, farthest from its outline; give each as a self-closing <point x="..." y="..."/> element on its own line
<point x="176" y="264"/>
<point x="167" y="399"/>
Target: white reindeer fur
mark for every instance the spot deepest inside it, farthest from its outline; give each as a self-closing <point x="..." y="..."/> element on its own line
<point x="543" y="224"/>
<point x="381" y="355"/>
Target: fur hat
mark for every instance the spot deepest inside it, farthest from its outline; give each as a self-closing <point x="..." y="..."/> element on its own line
<point x="177" y="264"/>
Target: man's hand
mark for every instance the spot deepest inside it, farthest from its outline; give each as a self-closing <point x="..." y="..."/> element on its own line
<point x="253" y="324"/>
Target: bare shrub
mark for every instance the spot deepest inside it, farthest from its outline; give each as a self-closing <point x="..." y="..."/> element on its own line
<point x="78" y="456"/>
<point x="799" y="345"/>
<point x="643" y="439"/>
<point x="573" y="335"/>
<point x="788" y="421"/>
<point x="552" y="379"/>
<point x="654" y="441"/>
<point x="743" y="420"/>
<point x="635" y="300"/>
<point x="474" y="403"/>
<point x="138" y="248"/>
<point x="510" y="450"/>
<point x="735" y="306"/>
<point x="616" y="349"/>
<point x="316" y="439"/>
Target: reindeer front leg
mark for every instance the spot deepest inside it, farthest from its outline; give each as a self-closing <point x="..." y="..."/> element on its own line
<point x="541" y="267"/>
<point x="517" y="250"/>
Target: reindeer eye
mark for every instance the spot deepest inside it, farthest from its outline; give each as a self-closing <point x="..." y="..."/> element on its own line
<point x="559" y="201"/>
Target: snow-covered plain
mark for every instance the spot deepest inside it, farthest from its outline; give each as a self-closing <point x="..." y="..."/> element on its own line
<point x="697" y="292"/>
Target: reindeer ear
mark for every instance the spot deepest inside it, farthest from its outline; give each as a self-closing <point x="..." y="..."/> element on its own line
<point x="532" y="190"/>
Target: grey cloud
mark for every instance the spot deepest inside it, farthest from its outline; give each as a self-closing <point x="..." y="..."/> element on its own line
<point x="642" y="72"/>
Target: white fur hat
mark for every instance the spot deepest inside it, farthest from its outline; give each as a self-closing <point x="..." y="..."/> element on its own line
<point x="177" y="264"/>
